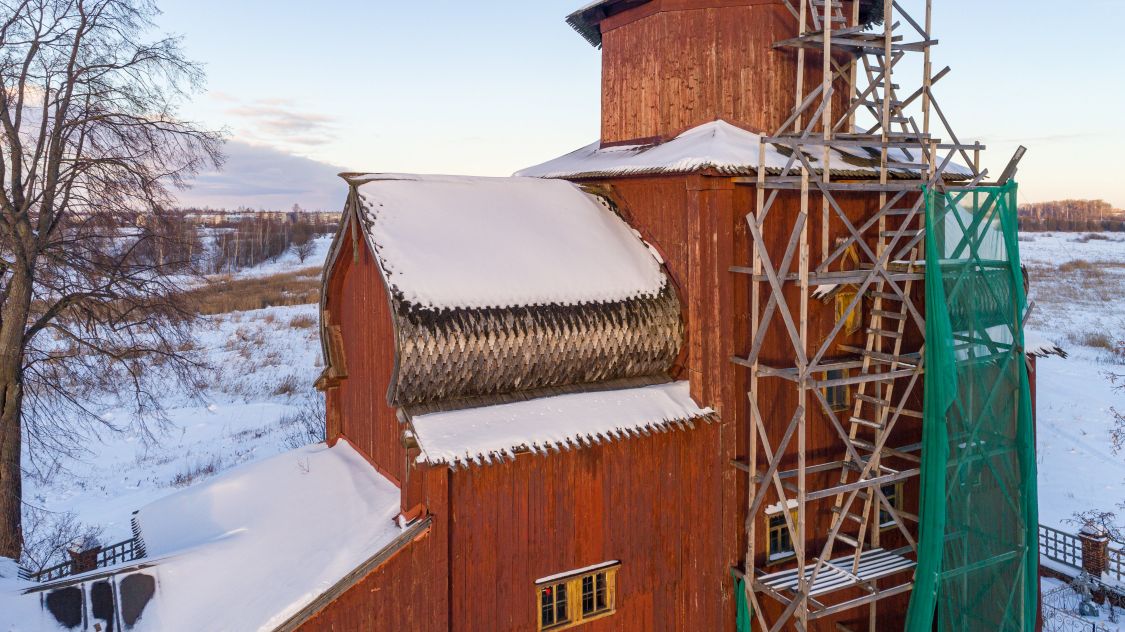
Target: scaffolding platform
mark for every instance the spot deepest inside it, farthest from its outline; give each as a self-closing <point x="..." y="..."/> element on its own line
<point x="836" y="575"/>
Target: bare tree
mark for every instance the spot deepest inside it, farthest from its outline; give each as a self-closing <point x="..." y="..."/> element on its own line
<point x="1109" y="521"/>
<point x="48" y="537"/>
<point x="302" y="238"/>
<point x="304" y="250"/>
<point x="90" y="144"/>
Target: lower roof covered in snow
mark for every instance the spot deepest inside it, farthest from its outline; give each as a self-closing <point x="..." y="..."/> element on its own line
<point x="494" y="433"/>
<point x="254" y="546"/>
<point x="717" y="145"/>
<point x="1039" y="346"/>
<point x="247" y="550"/>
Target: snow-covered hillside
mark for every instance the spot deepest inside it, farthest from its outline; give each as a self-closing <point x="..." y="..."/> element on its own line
<point x="1078" y="285"/>
<point x="263" y="364"/>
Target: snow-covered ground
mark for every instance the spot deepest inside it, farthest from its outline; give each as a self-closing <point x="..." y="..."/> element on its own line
<point x="289" y="261"/>
<point x="263" y="365"/>
<point x="1057" y="595"/>
<point x="1082" y="308"/>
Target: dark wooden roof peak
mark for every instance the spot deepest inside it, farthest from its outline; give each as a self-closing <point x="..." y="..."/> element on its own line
<point x="587" y="20"/>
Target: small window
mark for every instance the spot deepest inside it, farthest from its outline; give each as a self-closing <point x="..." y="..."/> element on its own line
<point x="552" y="599"/>
<point x="594" y="588"/>
<point x="595" y="594"/>
<point x="780" y="541"/>
<point x="855" y="318"/>
<point x="893" y="492"/>
<point x="838" y="396"/>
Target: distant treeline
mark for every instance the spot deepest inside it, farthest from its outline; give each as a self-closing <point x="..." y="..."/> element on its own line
<point x="1072" y="215"/>
<point x="222" y="241"/>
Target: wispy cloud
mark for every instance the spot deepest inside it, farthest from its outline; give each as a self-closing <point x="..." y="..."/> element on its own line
<point x="278" y="122"/>
<point x="258" y="176"/>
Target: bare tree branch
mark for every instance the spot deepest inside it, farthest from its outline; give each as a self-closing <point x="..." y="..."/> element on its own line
<point x="92" y="267"/>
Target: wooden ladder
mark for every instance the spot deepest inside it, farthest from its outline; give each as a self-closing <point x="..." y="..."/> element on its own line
<point x="872" y="409"/>
<point x="819" y="17"/>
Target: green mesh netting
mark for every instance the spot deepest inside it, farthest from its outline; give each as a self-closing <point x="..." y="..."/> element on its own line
<point x="742" y="613"/>
<point x="978" y="557"/>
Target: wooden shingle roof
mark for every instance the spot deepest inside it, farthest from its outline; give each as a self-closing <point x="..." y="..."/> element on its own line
<point x="507" y="286"/>
<point x="587" y="20"/>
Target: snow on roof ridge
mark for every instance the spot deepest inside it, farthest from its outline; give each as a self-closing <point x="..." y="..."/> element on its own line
<point x="559" y="422"/>
<point x="448" y="242"/>
<point x="716" y="145"/>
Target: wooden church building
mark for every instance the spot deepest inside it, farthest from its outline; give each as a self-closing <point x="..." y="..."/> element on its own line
<point x="670" y="381"/>
<point x="577" y="377"/>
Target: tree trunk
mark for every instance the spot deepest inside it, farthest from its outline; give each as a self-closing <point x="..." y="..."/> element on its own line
<point x="11" y="485"/>
<point x="12" y="323"/>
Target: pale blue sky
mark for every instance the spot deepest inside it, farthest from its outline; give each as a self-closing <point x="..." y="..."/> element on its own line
<point x="486" y="88"/>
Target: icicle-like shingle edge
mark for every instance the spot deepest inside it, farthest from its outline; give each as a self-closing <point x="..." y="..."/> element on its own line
<point x="494" y="434"/>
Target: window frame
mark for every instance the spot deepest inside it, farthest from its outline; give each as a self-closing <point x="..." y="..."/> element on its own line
<point x="896" y="502"/>
<point x="573" y="581"/>
<point x="783" y="529"/>
<point x="848" y="401"/>
<point x="842" y="299"/>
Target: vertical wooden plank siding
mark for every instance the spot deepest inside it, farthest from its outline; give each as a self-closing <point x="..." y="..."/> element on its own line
<point x="669" y="506"/>
<point x="670" y="65"/>
<point x="358" y="303"/>
<point x="650" y="502"/>
<point x="694" y="223"/>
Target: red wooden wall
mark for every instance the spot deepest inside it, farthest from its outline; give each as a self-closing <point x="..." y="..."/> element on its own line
<point x="357" y="301"/>
<point x="670" y="506"/>
<point x="654" y="503"/>
<point x="670" y="65"/>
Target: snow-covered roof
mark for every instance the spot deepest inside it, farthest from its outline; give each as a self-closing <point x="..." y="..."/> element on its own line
<point x="1036" y="344"/>
<point x="250" y="548"/>
<point x="716" y="145"/>
<point x="447" y="242"/>
<point x="494" y="433"/>
<point x="295" y="523"/>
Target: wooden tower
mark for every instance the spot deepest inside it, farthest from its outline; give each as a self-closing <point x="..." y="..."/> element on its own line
<point x="802" y="268"/>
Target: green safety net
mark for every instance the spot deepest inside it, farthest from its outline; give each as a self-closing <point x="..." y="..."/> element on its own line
<point x="742" y="616"/>
<point x="978" y="555"/>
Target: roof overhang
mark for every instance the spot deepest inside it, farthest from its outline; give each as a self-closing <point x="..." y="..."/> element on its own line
<point x="587" y="20"/>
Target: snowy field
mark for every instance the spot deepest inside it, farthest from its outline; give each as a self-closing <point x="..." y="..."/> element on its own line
<point x="1078" y="285"/>
<point x="262" y="367"/>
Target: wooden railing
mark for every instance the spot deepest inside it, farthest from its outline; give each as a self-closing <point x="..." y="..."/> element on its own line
<point x="119" y="553"/>
<point x="1060" y="546"/>
<point x="1115" y="564"/>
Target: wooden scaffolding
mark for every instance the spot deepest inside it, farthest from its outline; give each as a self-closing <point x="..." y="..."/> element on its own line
<point x="902" y="135"/>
